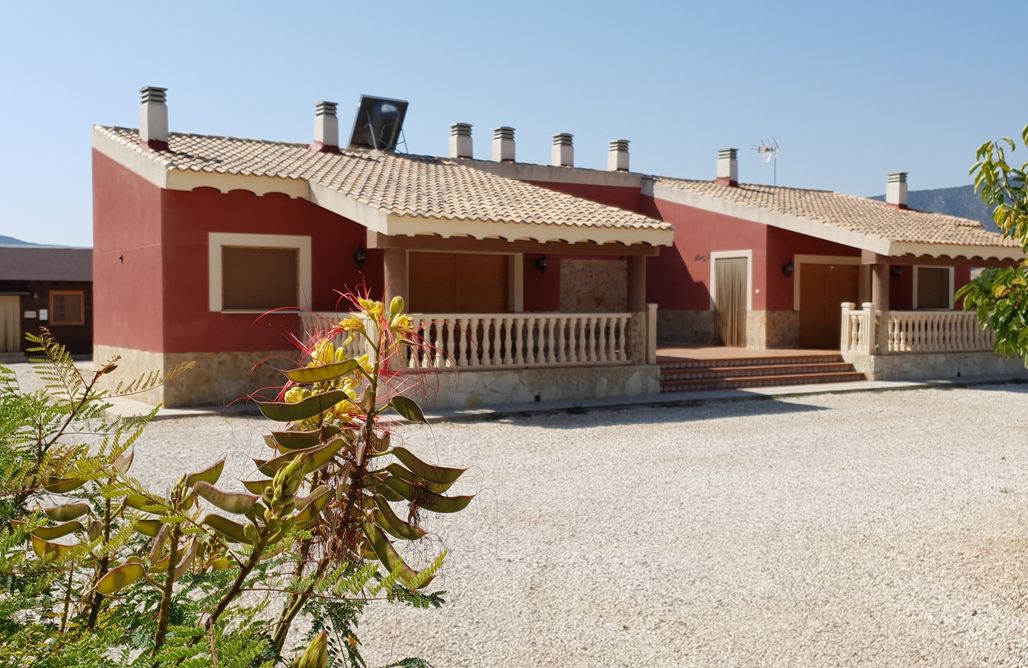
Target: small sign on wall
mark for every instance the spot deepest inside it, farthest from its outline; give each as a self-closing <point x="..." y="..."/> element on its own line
<point x="44" y="314"/>
<point x="29" y="315"/>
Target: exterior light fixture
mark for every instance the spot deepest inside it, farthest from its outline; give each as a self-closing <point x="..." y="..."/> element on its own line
<point x="895" y="272"/>
<point x="788" y="268"/>
<point x="359" y="256"/>
<point x="541" y="263"/>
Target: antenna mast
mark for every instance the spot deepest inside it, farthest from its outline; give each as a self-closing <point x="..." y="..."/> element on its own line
<point x="770" y="151"/>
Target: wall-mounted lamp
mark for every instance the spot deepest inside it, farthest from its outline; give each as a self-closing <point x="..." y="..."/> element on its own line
<point x="896" y="272"/>
<point x="121" y="258"/>
<point x="541" y="263"/>
<point x="788" y="268"/>
<point x="359" y="256"/>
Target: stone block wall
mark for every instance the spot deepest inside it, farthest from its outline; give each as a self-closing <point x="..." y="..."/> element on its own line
<point x="688" y="327"/>
<point x="938" y="366"/>
<point x="593" y="286"/>
<point x="218" y="379"/>
<point x="471" y="389"/>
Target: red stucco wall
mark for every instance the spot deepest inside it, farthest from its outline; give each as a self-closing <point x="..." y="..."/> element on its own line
<point x="156" y="296"/>
<point x="127" y="264"/>
<point x="189" y="216"/>
<point x="541" y="290"/>
<point x="782" y="247"/>
<point x="679" y="277"/>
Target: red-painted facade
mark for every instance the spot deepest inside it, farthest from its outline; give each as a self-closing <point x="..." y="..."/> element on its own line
<point x="151" y="253"/>
<point x="623" y="197"/>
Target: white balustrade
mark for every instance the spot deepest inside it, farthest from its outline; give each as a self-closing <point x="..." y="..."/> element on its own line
<point x="508" y="340"/>
<point x="911" y="331"/>
<point x="935" y="331"/>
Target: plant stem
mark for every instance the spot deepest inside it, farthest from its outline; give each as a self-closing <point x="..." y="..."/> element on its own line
<point x="67" y="602"/>
<point x="105" y="563"/>
<point x="169" y="583"/>
<point x="300" y="600"/>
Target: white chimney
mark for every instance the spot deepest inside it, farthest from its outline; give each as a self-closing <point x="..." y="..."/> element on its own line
<point x="727" y="167"/>
<point x="326" y="128"/>
<point x="503" y="144"/>
<point x="896" y="190"/>
<point x="153" y="117"/>
<point x="617" y="156"/>
<point x="460" y="141"/>
<point x="563" y="153"/>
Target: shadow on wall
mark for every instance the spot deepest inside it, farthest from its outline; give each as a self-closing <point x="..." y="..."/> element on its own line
<point x="740" y="404"/>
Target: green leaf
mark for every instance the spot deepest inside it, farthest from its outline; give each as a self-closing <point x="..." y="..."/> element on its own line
<point x="236" y="503"/>
<point x="147" y="527"/>
<point x="321" y="374"/>
<point x="281" y="411"/>
<point x="120" y="577"/>
<point x="67" y="511"/>
<point x="438" y="474"/>
<point x="388" y="520"/>
<point x="400" y="472"/>
<point x="256" y="486"/>
<point x="388" y="555"/>
<point x="299" y="440"/>
<point x="54" y="532"/>
<point x="234" y="531"/>
<point x="317" y="458"/>
<point x="45" y="549"/>
<point x="209" y="475"/>
<point x="408" y="409"/>
<point x="427" y="499"/>
<point x="62" y="485"/>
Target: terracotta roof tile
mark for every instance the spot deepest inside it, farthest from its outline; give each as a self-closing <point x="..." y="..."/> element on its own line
<point x="851" y="213"/>
<point x="399" y="184"/>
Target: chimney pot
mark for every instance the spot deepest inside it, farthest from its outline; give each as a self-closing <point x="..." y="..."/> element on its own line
<point x="153" y="117"/>
<point x="503" y="144"/>
<point x="460" y="141"/>
<point x="617" y="156"/>
<point x="896" y="190"/>
<point x="563" y="153"/>
<point x="727" y="167"/>
<point x="326" y="128"/>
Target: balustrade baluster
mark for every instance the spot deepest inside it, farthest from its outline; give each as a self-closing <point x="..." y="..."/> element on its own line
<point x="530" y="340"/>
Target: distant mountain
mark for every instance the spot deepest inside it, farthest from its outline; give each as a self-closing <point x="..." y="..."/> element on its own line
<point x="959" y="201"/>
<point x="11" y="241"/>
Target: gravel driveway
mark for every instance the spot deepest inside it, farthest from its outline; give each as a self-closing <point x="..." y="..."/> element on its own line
<point x="852" y="529"/>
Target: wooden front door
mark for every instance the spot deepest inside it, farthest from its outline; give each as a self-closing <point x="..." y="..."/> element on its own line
<point x="731" y="287"/>
<point x="458" y="283"/>
<point x="823" y="289"/>
<point x="10" y="324"/>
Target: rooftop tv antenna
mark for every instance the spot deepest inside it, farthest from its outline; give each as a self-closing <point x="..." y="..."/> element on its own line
<point x="379" y="124"/>
<point x="769" y="151"/>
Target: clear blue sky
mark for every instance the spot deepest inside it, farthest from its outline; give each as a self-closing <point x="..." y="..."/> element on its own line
<point x="851" y="90"/>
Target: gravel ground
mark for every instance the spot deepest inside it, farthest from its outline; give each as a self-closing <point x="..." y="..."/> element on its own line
<point x="852" y="529"/>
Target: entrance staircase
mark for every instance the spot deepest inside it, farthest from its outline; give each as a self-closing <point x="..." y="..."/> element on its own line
<point x="688" y="375"/>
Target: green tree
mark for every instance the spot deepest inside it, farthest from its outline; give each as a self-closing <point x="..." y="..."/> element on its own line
<point x="1000" y="296"/>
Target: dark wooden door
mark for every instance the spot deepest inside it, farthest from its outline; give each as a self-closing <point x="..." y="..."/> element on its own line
<point x="823" y="289"/>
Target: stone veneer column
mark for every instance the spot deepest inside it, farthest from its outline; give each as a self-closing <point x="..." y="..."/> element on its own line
<point x="880" y="286"/>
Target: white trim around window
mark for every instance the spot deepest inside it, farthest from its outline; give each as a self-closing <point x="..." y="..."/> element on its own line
<point x="917" y="269"/>
<point x="217" y="240"/>
<point x="722" y="255"/>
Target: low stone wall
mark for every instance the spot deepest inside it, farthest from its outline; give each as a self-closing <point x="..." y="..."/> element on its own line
<point x="690" y="327"/>
<point x="937" y="366"/>
<point x="218" y="379"/>
<point x="471" y="389"/>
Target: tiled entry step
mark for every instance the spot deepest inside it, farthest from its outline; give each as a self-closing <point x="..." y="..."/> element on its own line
<point x="735" y="373"/>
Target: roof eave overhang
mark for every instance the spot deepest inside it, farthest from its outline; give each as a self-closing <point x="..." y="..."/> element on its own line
<point x="1011" y="253"/>
<point x="517" y="231"/>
